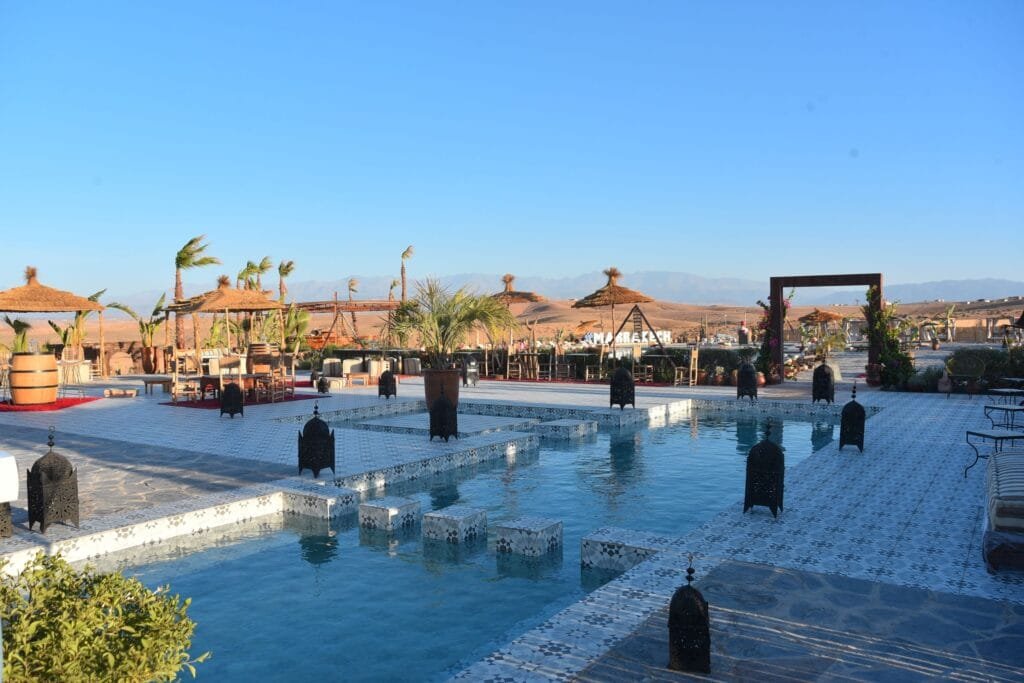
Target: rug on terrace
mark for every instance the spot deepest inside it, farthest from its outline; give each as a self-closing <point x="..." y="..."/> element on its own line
<point x="214" y="403"/>
<point x="60" y="404"/>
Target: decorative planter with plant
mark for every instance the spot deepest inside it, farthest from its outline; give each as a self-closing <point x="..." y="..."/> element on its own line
<point x="883" y="330"/>
<point x="442" y="320"/>
<point x="147" y="333"/>
<point x="764" y="363"/>
<point x="33" y="376"/>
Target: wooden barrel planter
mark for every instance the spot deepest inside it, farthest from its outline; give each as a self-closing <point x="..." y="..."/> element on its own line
<point x="33" y="378"/>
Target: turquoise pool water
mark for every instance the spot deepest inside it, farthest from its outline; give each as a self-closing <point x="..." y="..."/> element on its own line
<point x="304" y="598"/>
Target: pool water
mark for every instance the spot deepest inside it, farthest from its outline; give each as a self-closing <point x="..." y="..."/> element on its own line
<point x="308" y="598"/>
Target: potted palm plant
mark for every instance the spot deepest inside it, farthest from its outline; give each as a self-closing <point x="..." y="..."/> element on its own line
<point x="33" y="375"/>
<point x="442" y="319"/>
<point x="147" y="332"/>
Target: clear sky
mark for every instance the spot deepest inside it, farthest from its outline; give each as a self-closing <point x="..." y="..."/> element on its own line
<point x="719" y="138"/>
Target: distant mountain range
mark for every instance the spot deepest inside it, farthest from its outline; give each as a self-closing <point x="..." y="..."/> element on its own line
<point x="662" y="285"/>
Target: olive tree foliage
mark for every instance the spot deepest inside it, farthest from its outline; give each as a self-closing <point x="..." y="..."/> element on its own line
<point x="62" y="624"/>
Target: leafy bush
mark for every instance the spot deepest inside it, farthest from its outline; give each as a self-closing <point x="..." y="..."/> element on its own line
<point x="925" y="380"/>
<point x="726" y="359"/>
<point x="998" y="362"/>
<point x="60" y="624"/>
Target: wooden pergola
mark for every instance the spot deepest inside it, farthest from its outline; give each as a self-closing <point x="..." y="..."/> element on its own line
<point x="776" y="318"/>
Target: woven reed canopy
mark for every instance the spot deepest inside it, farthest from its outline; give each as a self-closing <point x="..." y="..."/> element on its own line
<point x="226" y="298"/>
<point x="612" y="294"/>
<point x="33" y="297"/>
<point x="820" y="317"/>
<point x="511" y="296"/>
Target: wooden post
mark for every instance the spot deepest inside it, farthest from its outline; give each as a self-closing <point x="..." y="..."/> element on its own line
<point x="775" y="324"/>
<point x="195" y="334"/>
<point x="103" y="365"/>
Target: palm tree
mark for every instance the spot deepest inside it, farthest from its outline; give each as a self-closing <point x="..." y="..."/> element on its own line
<point x="406" y="255"/>
<point x="189" y="256"/>
<point x="147" y="331"/>
<point x="263" y="266"/>
<point x="353" y="285"/>
<point x="391" y="290"/>
<point x="284" y="269"/>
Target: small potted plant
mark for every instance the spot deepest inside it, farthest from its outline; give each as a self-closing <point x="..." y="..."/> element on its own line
<point x="443" y="319"/>
<point x="147" y="333"/>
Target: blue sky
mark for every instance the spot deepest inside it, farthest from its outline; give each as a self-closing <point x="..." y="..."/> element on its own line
<point x="542" y="138"/>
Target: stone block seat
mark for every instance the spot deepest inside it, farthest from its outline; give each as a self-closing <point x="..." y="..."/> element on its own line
<point x="455" y="524"/>
<point x="1003" y="541"/>
<point x="528" y="536"/>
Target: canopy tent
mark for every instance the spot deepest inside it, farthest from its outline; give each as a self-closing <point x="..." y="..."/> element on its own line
<point x="33" y="297"/>
<point x="224" y="299"/>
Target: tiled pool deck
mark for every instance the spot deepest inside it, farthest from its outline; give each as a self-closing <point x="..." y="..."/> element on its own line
<point x="899" y="519"/>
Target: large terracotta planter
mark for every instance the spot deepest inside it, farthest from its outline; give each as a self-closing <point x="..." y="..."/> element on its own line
<point x="433" y="380"/>
<point x="873" y="374"/>
<point x="149" y="359"/>
<point x="33" y="378"/>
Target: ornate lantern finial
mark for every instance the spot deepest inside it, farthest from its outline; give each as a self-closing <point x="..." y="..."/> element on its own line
<point x="689" y="570"/>
<point x="49" y="439"/>
<point x="854" y="397"/>
<point x="316" y="409"/>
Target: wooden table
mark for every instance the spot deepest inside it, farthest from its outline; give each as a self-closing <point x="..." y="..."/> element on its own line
<point x="996" y="436"/>
<point x="149" y="382"/>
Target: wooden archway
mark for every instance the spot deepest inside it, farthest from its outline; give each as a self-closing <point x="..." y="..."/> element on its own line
<point x="780" y="283"/>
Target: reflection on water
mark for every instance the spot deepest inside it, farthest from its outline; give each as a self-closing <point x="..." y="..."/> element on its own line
<point x="624" y="451"/>
<point x="821" y="435"/>
<point x="746" y="435"/>
<point x="444" y="494"/>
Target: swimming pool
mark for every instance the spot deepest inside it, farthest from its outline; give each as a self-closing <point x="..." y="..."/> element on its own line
<point x="302" y="597"/>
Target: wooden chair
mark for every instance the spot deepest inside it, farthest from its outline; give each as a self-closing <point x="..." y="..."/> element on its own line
<point x="515" y="370"/>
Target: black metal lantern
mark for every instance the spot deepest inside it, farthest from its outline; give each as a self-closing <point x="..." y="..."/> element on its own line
<point x="231" y="401"/>
<point x="851" y="424"/>
<point x="823" y="385"/>
<point x="323" y="385"/>
<point x="766" y="470"/>
<point x="689" y="629"/>
<point x="470" y="371"/>
<point x="316" y="445"/>
<point x="52" y="490"/>
<point x="746" y="381"/>
<point x="387" y="385"/>
<point x="623" y="389"/>
<point x="444" y="419"/>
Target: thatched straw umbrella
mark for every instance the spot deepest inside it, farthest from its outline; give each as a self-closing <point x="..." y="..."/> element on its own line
<point x="509" y="296"/>
<point x="33" y="297"/>
<point x="820" y="317"/>
<point x="612" y="293"/>
<point x="223" y="300"/>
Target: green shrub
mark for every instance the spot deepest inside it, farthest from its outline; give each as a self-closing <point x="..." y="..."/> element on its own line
<point x="727" y="359"/>
<point x="925" y="380"/>
<point x="60" y="624"/>
<point x="998" y="362"/>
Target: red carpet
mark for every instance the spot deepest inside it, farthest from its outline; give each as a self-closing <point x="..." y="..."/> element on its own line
<point x="61" y="403"/>
<point x="214" y="403"/>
